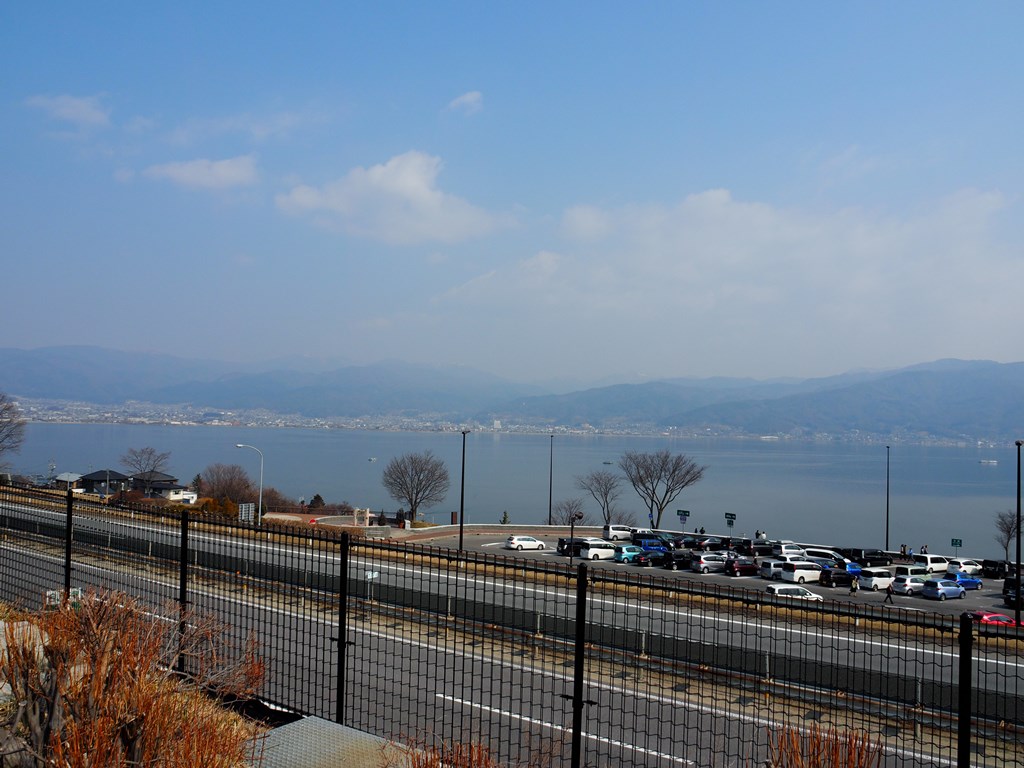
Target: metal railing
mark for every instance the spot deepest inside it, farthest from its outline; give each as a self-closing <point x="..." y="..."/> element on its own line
<point x="538" y="662"/>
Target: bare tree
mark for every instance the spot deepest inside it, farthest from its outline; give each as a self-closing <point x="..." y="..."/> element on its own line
<point x="416" y="480"/>
<point x="658" y="478"/>
<point x="144" y="463"/>
<point x="1006" y="530"/>
<point x="12" y="426"/>
<point x="227" y="482"/>
<point x="604" y="487"/>
<point x="569" y="512"/>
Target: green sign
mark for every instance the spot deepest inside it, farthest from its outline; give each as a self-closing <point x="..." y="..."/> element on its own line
<point x="956" y="543"/>
<point x="730" y="516"/>
<point x="683" y="512"/>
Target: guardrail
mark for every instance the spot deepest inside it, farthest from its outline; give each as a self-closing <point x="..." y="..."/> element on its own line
<point x="669" y="667"/>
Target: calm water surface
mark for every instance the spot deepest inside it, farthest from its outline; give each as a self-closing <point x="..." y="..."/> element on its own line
<point x="806" y="491"/>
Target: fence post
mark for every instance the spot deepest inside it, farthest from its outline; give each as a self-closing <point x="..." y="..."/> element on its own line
<point x="966" y="684"/>
<point x="342" y="639"/>
<point x="578" y="667"/>
<point x="68" y="529"/>
<point x="182" y="591"/>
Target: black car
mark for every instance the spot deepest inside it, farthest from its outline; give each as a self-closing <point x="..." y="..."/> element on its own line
<point x="869" y="558"/>
<point x="996" y="569"/>
<point x="574" y="544"/>
<point x="653" y="558"/>
<point x="835" y="577"/>
<point x="680" y="560"/>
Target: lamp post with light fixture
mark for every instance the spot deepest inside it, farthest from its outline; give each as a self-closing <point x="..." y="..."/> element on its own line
<point x="259" y="505"/>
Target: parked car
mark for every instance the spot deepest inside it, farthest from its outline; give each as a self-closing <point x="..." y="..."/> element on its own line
<point x="566" y="546"/>
<point x="801" y="571"/>
<point x="970" y="567"/>
<point x="650" y="543"/>
<point x="1010" y="592"/>
<point x="710" y="544"/>
<point x="868" y="558"/>
<point x="597" y="549"/>
<point x="908" y="585"/>
<point x="653" y="557"/>
<point x="741" y="566"/>
<point x="934" y="563"/>
<point x="996" y="569"/>
<point x="787" y="548"/>
<point x="771" y="569"/>
<point x="813" y="553"/>
<point x="627" y="553"/>
<point x="912" y="570"/>
<point x="940" y="589"/>
<point x="875" y="578"/>
<point x="680" y="560"/>
<point x="835" y="577"/>
<point x="616" y="532"/>
<point x="965" y="581"/>
<point x="707" y="562"/>
<point x="523" y="542"/>
<point x="992" y="618"/>
<point x="789" y="590"/>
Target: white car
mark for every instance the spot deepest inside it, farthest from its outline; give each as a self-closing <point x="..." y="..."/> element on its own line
<point x="874" y="578"/>
<point x="970" y="567"/>
<point x="523" y="542"/>
<point x="787" y="590"/>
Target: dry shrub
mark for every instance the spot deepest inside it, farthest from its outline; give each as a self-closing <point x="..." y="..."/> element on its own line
<point x="817" y="748"/>
<point x="94" y="686"/>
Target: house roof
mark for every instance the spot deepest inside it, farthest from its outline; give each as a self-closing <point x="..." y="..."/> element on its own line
<point x="103" y="475"/>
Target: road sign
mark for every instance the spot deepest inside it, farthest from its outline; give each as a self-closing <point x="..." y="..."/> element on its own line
<point x="730" y="516"/>
<point x="246" y="513"/>
<point x="683" y="513"/>
<point x="730" y="523"/>
<point x="956" y="543"/>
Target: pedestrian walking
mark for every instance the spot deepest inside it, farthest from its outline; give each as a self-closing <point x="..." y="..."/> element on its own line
<point x="854" y="586"/>
<point x="889" y="592"/>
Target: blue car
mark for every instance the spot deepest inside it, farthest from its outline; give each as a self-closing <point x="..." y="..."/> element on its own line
<point x="940" y="589"/>
<point x="965" y="580"/>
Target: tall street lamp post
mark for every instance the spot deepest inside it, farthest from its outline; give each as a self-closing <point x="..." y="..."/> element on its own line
<point x="259" y="505"/>
<point x="887" y="498"/>
<point x="551" y="474"/>
<point x="1016" y="604"/>
<point x="462" y="493"/>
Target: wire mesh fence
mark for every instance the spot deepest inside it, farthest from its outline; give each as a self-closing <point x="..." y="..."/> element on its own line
<point x="537" y="662"/>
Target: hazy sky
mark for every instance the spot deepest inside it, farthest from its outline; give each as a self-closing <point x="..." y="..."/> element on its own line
<point x="537" y="190"/>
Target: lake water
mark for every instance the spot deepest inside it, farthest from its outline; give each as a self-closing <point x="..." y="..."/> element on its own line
<point x="805" y="491"/>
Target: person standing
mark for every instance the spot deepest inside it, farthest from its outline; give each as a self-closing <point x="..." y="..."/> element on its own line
<point x="854" y="586"/>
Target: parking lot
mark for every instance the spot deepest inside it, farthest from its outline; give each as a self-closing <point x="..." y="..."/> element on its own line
<point x="988" y="597"/>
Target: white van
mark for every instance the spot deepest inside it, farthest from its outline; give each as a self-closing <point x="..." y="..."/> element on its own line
<point x="801" y="571"/>
<point x="875" y="578"/>
<point x="934" y="563"/>
<point x="912" y="570"/>
<point x="617" y="532"/>
<point x="824" y="554"/>
<point x="596" y="549"/>
<point x="787" y="548"/>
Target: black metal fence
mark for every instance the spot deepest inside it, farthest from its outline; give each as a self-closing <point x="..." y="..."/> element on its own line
<point x="541" y="663"/>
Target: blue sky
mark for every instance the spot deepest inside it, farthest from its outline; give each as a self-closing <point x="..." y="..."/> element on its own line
<point x="583" y="191"/>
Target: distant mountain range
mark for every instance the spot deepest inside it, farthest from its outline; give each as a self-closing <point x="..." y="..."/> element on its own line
<point x="948" y="399"/>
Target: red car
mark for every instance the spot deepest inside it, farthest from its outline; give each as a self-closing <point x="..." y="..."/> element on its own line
<point x="742" y="566"/>
<point x="992" y="618"/>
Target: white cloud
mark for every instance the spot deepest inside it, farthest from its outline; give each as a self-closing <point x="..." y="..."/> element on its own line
<point x="468" y="103"/>
<point x="712" y="285"/>
<point x="211" y="174"/>
<point x="82" y="111"/>
<point x="397" y="202"/>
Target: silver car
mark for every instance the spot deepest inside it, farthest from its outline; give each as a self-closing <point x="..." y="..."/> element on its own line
<point x="707" y="562"/>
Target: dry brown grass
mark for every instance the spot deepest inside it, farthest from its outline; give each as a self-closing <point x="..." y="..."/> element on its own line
<point x="822" y="748"/>
<point x="94" y="687"/>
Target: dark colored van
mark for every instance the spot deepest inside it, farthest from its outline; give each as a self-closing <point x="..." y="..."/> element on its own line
<point x="869" y="558"/>
<point x="1010" y="592"/>
<point x="996" y="569"/>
